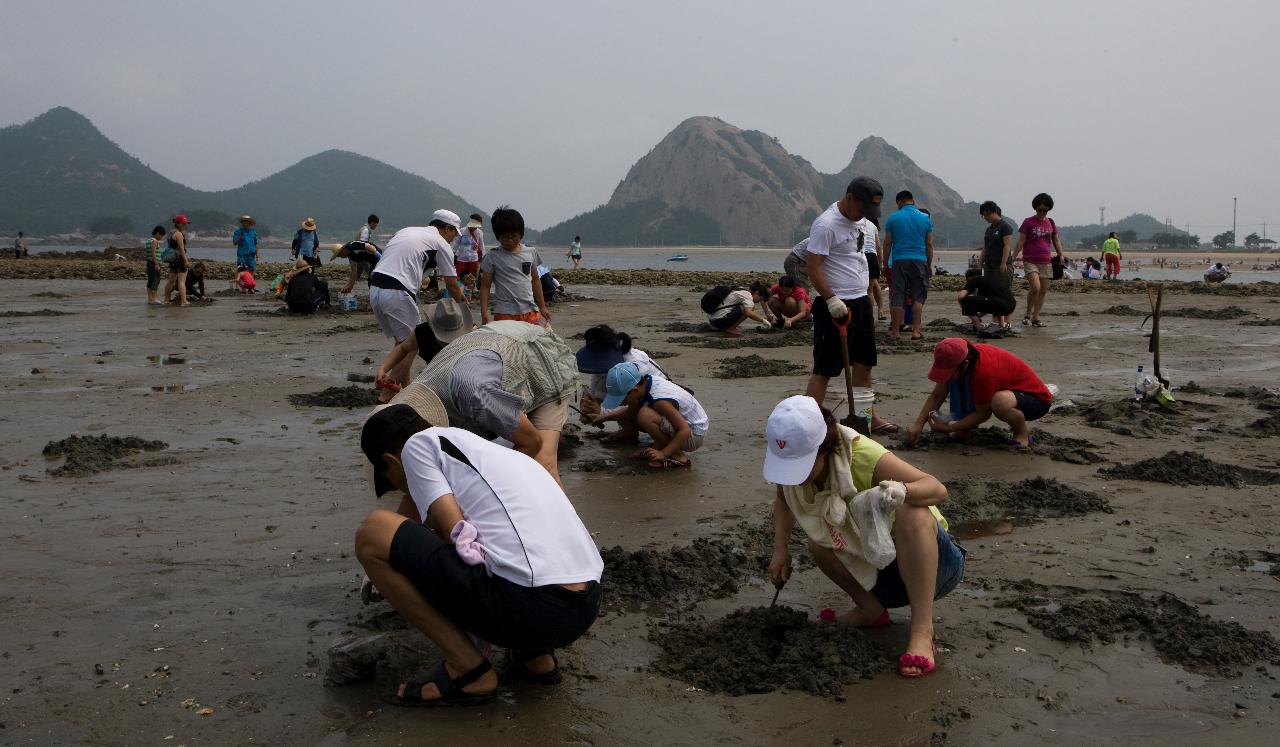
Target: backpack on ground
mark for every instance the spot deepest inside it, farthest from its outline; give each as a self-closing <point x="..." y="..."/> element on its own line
<point x="712" y="299"/>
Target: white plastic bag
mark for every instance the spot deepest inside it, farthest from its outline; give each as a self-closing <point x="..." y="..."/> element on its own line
<point x="871" y="510"/>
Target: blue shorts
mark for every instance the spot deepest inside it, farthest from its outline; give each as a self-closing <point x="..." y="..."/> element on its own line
<point x="890" y="590"/>
<point x="248" y="260"/>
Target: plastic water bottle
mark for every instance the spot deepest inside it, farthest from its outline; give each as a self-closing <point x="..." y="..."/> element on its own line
<point x="1139" y="385"/>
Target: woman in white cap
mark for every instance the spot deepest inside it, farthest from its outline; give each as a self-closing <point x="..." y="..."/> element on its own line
<point x="819" y="466"/>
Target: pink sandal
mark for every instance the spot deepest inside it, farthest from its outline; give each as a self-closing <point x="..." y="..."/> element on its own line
<point x="926" y="665"/>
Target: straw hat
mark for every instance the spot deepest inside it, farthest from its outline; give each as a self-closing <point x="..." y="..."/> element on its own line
<point x="248" y="219"/>
<point x="424" y="401"/>
<point x="309" y="224"/>
<point x="449" y="319"/>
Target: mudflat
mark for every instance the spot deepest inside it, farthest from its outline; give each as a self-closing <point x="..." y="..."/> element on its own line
<point x="190" y="579"/>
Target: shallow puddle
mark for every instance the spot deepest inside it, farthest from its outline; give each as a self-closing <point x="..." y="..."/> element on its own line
<point x="167" y="360"/>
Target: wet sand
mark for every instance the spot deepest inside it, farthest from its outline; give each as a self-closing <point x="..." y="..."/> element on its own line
<point x="197" y="597"/>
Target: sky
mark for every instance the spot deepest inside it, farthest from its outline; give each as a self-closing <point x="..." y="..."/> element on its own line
<point x="1166" y="107"/>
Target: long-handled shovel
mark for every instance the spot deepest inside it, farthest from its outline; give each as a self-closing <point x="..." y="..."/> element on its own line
<point x="858" y="424"/>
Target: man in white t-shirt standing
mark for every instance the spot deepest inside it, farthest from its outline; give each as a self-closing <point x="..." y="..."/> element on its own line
<point x="837" y="266"/>
<point x="395" y="282"/>
<point x="485" y="543"/>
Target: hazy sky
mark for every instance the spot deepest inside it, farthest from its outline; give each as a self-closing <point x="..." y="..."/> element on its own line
<point x="1164" y="107"/>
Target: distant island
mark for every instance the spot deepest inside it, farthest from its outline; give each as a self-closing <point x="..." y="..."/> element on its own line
<point x="706" y="183"/>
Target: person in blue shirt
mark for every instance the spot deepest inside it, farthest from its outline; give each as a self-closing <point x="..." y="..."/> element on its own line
<point x="908" y="252"/>
<point x="245" y="240"/>
<point x="306" y="241"/>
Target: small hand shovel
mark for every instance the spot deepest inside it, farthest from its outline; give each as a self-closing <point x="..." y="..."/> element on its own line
<point x="777" y="585"/>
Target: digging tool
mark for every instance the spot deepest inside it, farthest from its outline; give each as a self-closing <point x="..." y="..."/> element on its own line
<point x="777" y="585"/>
<point x="855" y="423"/>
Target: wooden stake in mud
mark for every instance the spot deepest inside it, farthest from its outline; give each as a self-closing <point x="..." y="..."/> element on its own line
<point x="1156" y="297"/>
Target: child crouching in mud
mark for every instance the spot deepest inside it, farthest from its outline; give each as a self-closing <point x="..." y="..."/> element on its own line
<point x="484" y="549"/>
<point x="667" y="412"/>
<point x="819" y="466"/>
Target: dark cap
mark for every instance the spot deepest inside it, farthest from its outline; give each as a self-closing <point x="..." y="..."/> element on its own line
<point x="384" y="432"/>
<point x="865" y="190"/>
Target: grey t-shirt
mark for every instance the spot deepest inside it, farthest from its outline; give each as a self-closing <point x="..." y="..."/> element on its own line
<point x="513" y="274"/>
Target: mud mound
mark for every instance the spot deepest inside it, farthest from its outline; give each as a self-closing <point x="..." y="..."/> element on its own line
<point x="337" y="396"/>
<point x="1190" y="468"/>
<point x="49" y="294"/>
<point x="703" y="569"/>
<point x="751" y="366"/>
<point x="1264" y="399"/>
<point x="1129" y="417"/>
<point x="771" y="339"/>
<point x="1193" y="312"/>
<point x="609" y="464"/>
<point x="41" y="312"/>
<point x="1189" y="312"/>
<point x="1175" y="629"/>
<point x="757" y="541"/>
<point x="973" y="499"/>
<point x="941" y="324"/>
<point x="658" y="355"/>
<point x="762" y="649"/>
<point x="1057" y="448"/>
<point x="686" y="327"/>
<point x="1264" y="427"/>
<point x="1121" y="310"/>
<point x="87" y="455"/>
<point x="1261" y="323"/>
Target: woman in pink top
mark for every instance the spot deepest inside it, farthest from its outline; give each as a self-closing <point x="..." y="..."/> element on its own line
<point x="1037" y="241"/>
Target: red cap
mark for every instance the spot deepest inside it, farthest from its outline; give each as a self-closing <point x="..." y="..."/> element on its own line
<point x="180" y="218"/>
<point x="948" y="354"/>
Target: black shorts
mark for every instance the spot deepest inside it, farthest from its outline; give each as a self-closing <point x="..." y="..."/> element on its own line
<point x="314" y="259"/>
<point x="873" y="265"/>
<point x="1032" y="407"/>
<point x="827" y="360"/>
<point x="153" y="276"/>
<point x="491" y="607"/>
<point x="978" y="305"/>
<point x="177" y="265"/>
<point x="723" y="323"/>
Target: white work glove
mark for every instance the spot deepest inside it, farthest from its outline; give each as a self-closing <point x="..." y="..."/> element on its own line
<point x="892" y="494"/>
<point x="368" y="592"/>
<point x="836" y="307"/>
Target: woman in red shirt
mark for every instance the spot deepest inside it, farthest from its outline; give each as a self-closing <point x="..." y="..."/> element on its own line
<point x="788" y="301"/>
<point x="991" y="381"/>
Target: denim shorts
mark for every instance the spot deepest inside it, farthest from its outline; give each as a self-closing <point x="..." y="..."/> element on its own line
<point x="892" y="593"/>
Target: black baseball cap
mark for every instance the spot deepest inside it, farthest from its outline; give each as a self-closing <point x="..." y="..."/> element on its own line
<point x="384" y="432"/>
<point x="865" y="190"/>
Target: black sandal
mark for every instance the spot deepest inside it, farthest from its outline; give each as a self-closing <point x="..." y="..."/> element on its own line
<point x="451" y="692"/>
<point x="519" y="666"/>
<point x="1038" y="323"/>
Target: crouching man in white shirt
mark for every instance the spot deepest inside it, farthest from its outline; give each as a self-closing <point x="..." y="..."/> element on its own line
<point x="485" y="545"/>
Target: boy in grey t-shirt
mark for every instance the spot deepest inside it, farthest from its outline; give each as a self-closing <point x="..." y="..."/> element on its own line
<point x="512" y="274"/>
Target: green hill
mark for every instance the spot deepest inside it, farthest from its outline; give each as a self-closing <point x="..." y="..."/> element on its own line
<point x="59" y="173"/>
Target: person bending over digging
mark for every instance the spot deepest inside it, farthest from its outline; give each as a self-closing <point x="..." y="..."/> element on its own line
<point x="981" y="380"/>
<point x="485" y="549"/>
<point x="602" y="349"/>
<point x="667" y="412"/>
<point x="816" y="463"/>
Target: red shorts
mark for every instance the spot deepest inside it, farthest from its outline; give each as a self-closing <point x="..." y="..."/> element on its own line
<point x="1113" y="264"/>
<point x="532" y="317"/>
<point x="467" y="268"/>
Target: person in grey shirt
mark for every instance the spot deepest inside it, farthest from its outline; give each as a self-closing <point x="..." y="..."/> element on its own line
<point x="511" y="273"/>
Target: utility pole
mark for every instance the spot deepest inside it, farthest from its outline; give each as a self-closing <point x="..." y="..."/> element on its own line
<point x="1102" y="216"/>
<point x="1233" y="222"/>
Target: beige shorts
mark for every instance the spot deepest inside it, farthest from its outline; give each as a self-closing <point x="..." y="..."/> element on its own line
<point x="1043" y="269"/>
<point x="551" y="416"/>
<point x="692" y="444"/>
